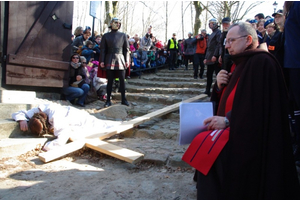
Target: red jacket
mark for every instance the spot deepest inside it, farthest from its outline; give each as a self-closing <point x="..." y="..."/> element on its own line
<point x="201" y="45"/>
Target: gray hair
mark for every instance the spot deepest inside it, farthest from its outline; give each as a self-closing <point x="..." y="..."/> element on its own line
<point x="246" y="28"/>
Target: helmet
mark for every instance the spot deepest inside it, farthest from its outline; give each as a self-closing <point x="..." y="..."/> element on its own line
<point x="214" y="22"/>
<point x="114" y="20"/>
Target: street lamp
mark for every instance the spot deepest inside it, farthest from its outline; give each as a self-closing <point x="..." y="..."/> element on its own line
<point x="275" y="4"/>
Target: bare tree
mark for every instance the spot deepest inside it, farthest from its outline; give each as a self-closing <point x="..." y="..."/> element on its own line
<point x="198" y="9"/>
<point x="236" y="10"/>
<point x="192" y="24"/>
<point x="166" y="35"/>
<point x="111" y="9"/>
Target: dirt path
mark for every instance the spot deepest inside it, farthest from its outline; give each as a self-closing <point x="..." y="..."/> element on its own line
<point x="89" y="175"/>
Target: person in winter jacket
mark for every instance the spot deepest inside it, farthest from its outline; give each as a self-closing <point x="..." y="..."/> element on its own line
<point x="212" y="53"/>
<point x="88" y="51"/>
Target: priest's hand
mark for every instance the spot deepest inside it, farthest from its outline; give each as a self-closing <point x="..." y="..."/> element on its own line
<point x="215" y="122"/>
<point x="223" y="78"/>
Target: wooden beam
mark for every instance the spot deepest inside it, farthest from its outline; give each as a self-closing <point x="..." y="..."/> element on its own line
<point x="94" y="141"/>
<point x="61" y="151"/>
<point x="139" y="120"/>
<point x="114" y="151"/>
<point x="37" y="62"/>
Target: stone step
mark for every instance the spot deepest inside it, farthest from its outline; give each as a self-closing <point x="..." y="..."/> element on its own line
<point x="10" y="147"/>
<point x="6" y="109"/>
<point x="166" y="99"/>
<point x="161" y="90"/>
<point x="176" y="74"/>
<point x="172" y="79"/>
<point x="9" y="129"/>
<point x="149" y="83"/>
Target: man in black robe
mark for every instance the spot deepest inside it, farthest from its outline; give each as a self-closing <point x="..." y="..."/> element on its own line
<point x="114" y="57"/>
<point x="257" y="161"/>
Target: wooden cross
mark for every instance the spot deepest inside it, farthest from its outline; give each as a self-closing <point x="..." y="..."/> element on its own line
<point x="95" y="141"/>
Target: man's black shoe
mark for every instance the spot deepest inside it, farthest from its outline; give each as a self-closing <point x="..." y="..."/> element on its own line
<point x="125" y="102"/>
<point x="195" y="77"/>
<point x="107" y="104"/>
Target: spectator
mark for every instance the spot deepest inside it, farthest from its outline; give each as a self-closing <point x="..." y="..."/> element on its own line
<point x="137" y="42"/>
<point x="172" y="48"/>
<point x="159" y="45"/>
<point x="224" y="57"/>
<point x="259" y="16"/>
<point x="261" y="31"/>
<point x="142" y="57"/>
<point x="114" y="51"/>
<point x="276" y="44"/>
<point x="271" y="29"/>
<point x="97" y="47"/>
<point x="256" y="162"/>
<point x="189" y="49"/>
<point x="253" y="22"/>
<point x="199" y="56"/>
<point x="100" y="85"/>
<point x="212" y="53"/>
<point x="146" y="42"/>
<point x="152" y="57"/>
<point x="131" y="45"/>
<point x="79" y="42"/>
<point x="88" y="51"/>
<point x="78" y="31"/>
<point x="180" y="62"/>
<point x="71" y="93"/>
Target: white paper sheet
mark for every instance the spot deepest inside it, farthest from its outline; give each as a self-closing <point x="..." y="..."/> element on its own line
<point x="192" y="116"/>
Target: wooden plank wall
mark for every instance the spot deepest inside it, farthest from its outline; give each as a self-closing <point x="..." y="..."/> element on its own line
<point x="45" y="57"/>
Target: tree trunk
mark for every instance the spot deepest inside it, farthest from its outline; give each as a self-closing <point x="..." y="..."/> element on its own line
<point x="166" y="36"/>
<point x="192" y="25"/>
<point x="115" y="5"/>
<point x="198" y="10"/>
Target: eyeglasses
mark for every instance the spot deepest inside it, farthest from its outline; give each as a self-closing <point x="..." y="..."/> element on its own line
<point x="231" y="40"/>
<point x="75" y="58"/>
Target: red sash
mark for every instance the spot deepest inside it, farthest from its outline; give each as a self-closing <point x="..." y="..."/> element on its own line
<point x="205" y="148"/>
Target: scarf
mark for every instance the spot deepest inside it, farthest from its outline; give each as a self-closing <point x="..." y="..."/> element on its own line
<point x="75" y="65"/>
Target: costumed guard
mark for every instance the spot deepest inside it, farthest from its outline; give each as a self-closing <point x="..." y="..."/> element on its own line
<point x="114" y="59"/>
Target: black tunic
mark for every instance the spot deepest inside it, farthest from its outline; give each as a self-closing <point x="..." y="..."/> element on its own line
<point x="114" y="50"/>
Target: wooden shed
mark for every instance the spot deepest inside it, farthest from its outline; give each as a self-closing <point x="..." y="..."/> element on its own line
<point x="35" y="43"/>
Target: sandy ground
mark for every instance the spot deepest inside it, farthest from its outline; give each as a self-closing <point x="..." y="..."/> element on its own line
<point x="87" y="174"/>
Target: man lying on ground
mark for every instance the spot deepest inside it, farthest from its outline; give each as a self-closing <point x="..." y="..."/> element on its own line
<point x="62" y="121"/>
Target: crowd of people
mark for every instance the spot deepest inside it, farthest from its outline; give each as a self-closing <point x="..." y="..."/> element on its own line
<point x="144" y="52"/>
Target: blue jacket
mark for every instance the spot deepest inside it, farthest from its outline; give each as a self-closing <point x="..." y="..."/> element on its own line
<point x="292" y="39"/>
<point x="87" y="53"/>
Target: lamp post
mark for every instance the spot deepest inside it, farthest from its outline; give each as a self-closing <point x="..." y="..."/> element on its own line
<point x="275" y="4"/>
